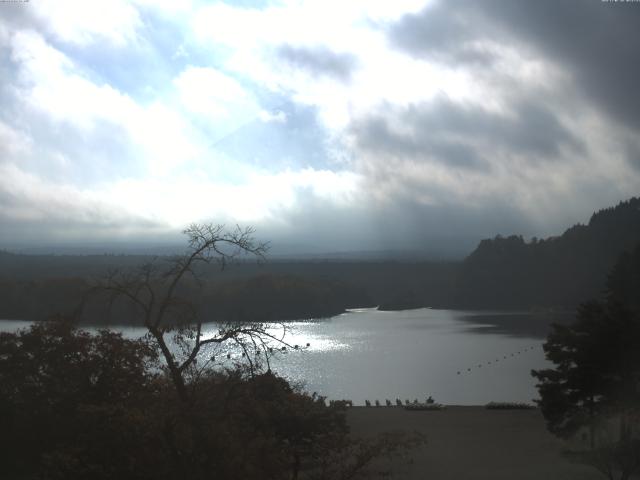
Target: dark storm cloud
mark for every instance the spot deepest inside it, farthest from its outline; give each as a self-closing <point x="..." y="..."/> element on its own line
<point x="536" y="130"/>
<point x="374" y="134"/>
<point x="445" y="132"/>
<point x="440" y="33"/>
<point x="597" y="42"/>
<point x="633" y="153"/>
<point x="446" y="230"/>
<point x="319" y="61"/>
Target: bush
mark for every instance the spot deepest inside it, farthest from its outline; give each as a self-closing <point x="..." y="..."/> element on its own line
<point x="63" y="395"/>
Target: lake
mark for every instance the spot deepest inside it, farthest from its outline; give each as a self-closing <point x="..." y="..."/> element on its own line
<point x="457" y="357"/>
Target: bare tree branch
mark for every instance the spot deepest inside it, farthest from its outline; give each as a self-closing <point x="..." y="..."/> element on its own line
<point x="154" y="291"/>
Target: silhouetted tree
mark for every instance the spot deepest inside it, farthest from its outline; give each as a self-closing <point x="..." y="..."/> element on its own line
<point x="156" y="292"/>
<point x="623" y="284"/>
<point x="597" y="374"/>
<point x="597" y="367"/>
<point x="233" y="425"/>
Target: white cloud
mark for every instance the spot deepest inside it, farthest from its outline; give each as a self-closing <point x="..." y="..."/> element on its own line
<point x="328" y="22"/>
<point x="276" y="117"/>
<point x="183" y="181"/>
<point x="169" y="203"/>
<point x="164" y="137"/>
<point x="212" y="94"/>
<point x="256" y="197"/>
<point x="381" y="74"/>
<point x="28" y="198"/>
<point x="52" y="84"/>
<point x="168" y="8"/>
<point x="13" y="143"/>
<point x="82" y="22"/>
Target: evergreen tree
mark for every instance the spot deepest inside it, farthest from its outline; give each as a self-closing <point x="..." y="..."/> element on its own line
<point x="596" y="378"/>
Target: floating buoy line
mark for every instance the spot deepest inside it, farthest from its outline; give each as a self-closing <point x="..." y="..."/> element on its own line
<point x="498" y="359"/>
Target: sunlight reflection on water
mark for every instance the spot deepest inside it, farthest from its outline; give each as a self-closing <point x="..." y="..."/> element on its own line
<point x="369" y="354"/>
<point x="292" y="334"/>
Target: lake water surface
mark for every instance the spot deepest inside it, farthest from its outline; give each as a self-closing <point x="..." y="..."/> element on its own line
<point x="463" y="358"/>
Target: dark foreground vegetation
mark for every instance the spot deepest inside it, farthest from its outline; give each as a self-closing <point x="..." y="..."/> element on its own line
<point x="81" y="406"/>
<point x="593" y="391"/>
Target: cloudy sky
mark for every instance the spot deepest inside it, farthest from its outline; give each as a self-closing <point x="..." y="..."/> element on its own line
<point x="327" y="125"/>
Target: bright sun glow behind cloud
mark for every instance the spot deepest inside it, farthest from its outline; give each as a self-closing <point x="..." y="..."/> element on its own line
<point x="258" y="197"/>
<point x="183" y="178"/>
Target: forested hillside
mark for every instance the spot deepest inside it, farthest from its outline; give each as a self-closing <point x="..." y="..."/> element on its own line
<point x="508" y="272"/>
<point x="34" y="287"/>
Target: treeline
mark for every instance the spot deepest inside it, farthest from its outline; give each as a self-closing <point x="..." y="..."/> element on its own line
<point x="243" y="291"/>
<point x="501" y="273"/>
<point x="264" y="298"/>
<point x="268" y="298"/>
<point x="508" y="272"/>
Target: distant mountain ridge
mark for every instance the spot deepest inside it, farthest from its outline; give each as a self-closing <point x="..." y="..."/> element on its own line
<point x="508" y="272"/>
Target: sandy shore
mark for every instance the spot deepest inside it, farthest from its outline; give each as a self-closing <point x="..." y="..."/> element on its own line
<point x="472" y="443"/>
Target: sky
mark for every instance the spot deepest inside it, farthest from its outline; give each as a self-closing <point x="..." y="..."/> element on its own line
<point x="357" y="125"/>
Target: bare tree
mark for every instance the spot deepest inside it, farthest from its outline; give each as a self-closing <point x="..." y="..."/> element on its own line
<point x="291" y="426"/>
<point x="154" y="290"/>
